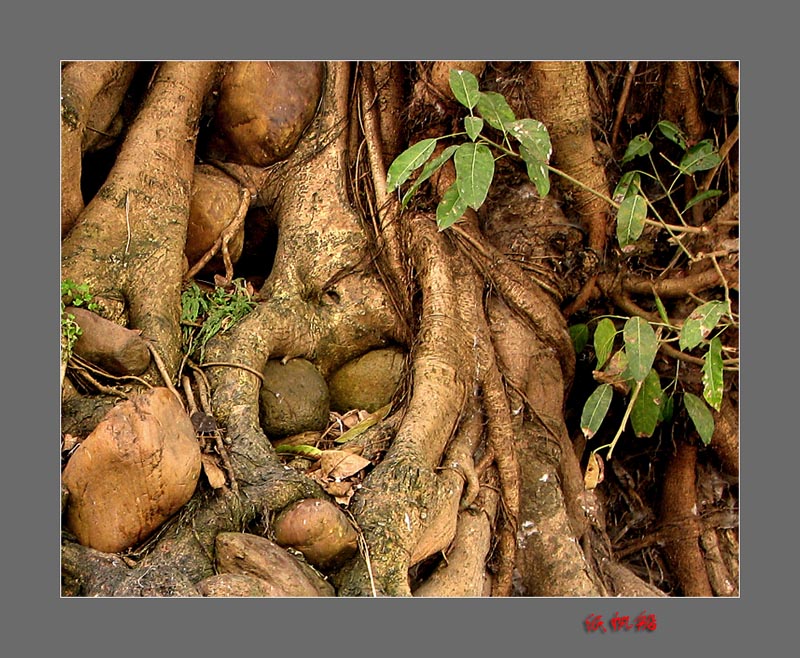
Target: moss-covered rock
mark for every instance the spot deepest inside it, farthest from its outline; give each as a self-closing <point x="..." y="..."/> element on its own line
<point x="294" y="398"/>
<point x="368" y="382"/>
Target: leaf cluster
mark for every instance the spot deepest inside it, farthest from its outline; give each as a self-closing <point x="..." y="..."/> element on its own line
<point x="474" y="160"/>
<point x="204" y="314"/>
<point x="73" y="294"/>
<point x="629" y="370"/>
<point x="632" y="204"/>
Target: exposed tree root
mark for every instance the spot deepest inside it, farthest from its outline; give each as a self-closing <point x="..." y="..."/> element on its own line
<point x="476" y="488"/>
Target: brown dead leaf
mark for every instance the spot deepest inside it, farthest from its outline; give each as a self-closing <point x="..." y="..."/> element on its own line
<point x="69" y="442"/>
<point x="338" y="464"/>
<point x="338" y="489"/>
<point x="214" y="474"/>
<point x="594" y="471"/>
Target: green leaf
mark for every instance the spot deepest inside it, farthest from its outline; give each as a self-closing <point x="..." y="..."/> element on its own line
<point x="579" y="333"/>
<point x="662" y="312"/>
<point x="646" y="411"/>
<point x="604" y="336"/>
<point x="703" y="196"/>
<point x="474" y="172"/>
<point x="430" y="168"/>
<point x="701" y="416"/>
<point x="533" y="135"/>
<point x="667" y="406"/>
<point x="672" y="133"/>
<point x="700" y="157"/>
<point x="629" y="184"/>
<point x="712" y="374"/>
<point x="595" y="409"/>
<point x="494" y="108"/>
<point x="638" y="146"/>
<point x="465" y="87"/>
<point x="630" y="220"/>
<point x="700" y="324"/>
<point x="409" y="160"/>
<point x="537" y="171"/>
<point x="302" y="450"/>
<point x="450" y="209"/>
<point x="473" y="126"/>
<point x="641" y="345"/>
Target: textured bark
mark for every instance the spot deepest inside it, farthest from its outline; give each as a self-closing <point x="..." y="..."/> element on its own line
<point x="680" y="521"/>
<point x="559" y="98"/>
<point x="127" y="244"/>
<point x="91" y="93"/>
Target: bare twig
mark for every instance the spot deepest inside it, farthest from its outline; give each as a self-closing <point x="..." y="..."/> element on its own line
<point x="623" y="101"/>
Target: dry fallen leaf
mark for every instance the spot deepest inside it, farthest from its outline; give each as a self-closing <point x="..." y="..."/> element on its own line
<point x="338" y="464"/>
<point x="594" y="471"/>
<point x="214" y="474"/>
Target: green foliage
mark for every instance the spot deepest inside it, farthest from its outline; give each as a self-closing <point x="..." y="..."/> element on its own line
<point x="579" y="333"/>
<point x="630" y="370"/>
<point x="75" y="295"/>
<point x="474" y="160"/>
<point x="700" y="415"/>
<point x="595" y="409"/>
<point x="633" y="204"/>
<point x="206" y="314"/>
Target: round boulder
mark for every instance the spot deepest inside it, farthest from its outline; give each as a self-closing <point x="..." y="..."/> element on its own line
<point x="294" y="398"/>
<point x="368" y="382"/>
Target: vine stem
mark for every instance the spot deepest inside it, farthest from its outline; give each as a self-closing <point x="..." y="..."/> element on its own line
<point x="624" y="422"/>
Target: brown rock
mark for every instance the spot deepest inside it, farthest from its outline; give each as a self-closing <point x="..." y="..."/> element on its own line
<point x="283" y="574"/>
<point x="263" y="109"/>
<point x="319" y="530"/>
<point x="233" y="584"/>
<point x="216" y="199"/>
<point x="116" y="349"/>
<point x="137" y="468"/>
<point x="294" y="398"/>
<point x="368" y="382"/>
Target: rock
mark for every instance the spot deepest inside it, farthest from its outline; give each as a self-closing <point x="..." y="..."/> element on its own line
<point x="294" y="398"/>
<point x="368" y="382"/>
<point x="283" y="575"/>
<point x="233" y="585"/>
<point x="137" y="468"/>
<point x="116" y="349"/>
<point x="319" y="530"/>
<point x="263" y="109"/>
<point x="216" y="198"/>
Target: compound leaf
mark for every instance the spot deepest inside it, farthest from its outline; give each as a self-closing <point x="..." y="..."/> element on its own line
<point x="646" y="410"/>
<point x="630" y="220"/>
<point x="700" y="157"/>
<point x="700" y="323"/>
<point x="451" y="208"/>
<point x="712" y="374"/>
<point x="494" y="108"/>
<point x="465" y="87"/>
<point x="639" y="145"/>
<point x="604" y="336"/>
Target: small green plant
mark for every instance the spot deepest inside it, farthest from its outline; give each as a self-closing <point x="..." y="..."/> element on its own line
<point x="629" y="370"/>
<point x="206" y="314"/>
<point x="633" y="205"/>
<point x="75" y="295"/>
<point x="474" y="160"/>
